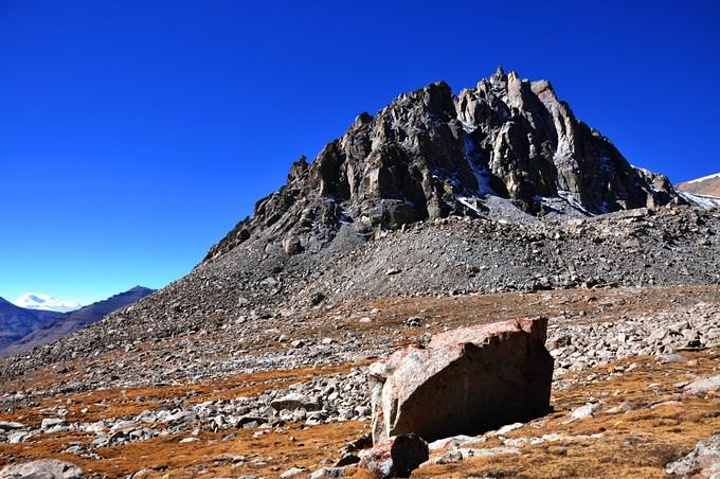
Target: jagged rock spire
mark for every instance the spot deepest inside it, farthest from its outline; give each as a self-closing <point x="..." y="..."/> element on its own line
<point x="430" y="154"/>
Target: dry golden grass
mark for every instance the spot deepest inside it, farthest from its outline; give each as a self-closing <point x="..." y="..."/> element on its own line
<point x="102" y="404"/>
<point x="635" y="444"/>
<point x="591" y="305"/>
<point x="299" y="446"/>
<point x="268" y="455"/>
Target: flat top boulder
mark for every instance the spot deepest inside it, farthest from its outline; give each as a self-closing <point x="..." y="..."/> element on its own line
<point x="10" y="425"/>
<point x="446" y="347"/>
<point x="295" y="400"/>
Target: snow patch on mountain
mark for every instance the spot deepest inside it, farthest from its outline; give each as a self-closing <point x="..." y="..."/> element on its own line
<point x="46" y="303"/>
<point x="703" y="201"/>
<point x="704" y="178"/>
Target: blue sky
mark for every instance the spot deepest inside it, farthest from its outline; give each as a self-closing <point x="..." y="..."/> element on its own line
<point x="134" y="134"/>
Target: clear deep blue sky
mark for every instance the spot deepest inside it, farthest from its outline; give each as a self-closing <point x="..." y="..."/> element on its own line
<point x="134" y="134"/>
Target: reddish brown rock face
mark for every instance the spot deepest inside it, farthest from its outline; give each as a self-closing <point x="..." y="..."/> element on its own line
<point x="396" y="457"/>
<point x="466" y="381"/>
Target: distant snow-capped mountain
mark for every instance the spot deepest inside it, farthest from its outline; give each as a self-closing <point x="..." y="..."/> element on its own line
<point x="705" y="186"/>
<point x="45" y="302"/>
<point x="60" y="325"/>
<point x="705" y="191"/>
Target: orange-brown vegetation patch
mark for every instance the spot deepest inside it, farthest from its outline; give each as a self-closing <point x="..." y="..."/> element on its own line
<point x="267" y="455"/>
<point x="660" y="425"/>
<point x="587" y="305"/>
<point x="112" y="403"/>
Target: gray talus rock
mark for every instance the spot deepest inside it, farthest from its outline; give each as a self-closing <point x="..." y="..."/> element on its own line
<point x="50" y="423"/>
<point x="703" y="462"/>
<point x="585" y="411"/>
<point x="43" y="469"/>
<point x="466" y="381"/>
<point x="295" y="400"/>
<point x="703" y="386"/>
<point x="10" y="425"/>
<point x="328" y="472"/>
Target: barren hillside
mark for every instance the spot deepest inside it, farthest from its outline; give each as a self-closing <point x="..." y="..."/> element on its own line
<point x="707" y="186"/>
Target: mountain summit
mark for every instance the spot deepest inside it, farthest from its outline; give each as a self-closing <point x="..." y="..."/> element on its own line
<point x="431" y="154"/>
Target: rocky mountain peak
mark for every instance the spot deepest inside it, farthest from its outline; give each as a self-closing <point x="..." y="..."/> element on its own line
<point x="431" y="154"/>
<point x="499" y="78"/>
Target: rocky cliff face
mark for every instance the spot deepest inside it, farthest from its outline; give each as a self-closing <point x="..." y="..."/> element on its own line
<point x="431" y="154"/>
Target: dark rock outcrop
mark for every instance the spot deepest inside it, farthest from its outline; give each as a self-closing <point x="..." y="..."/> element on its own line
<point x="431" y="154"/>
<point x="465" y="381"/>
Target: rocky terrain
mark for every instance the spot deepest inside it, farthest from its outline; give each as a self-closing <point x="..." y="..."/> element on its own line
<point x="440" y="211"/>
<point x="383" y="211"/>
<point x="224" y="304"/>
<point x="603" y="340"/>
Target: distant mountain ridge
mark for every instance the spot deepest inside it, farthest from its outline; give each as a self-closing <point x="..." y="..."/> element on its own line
<point x="705" y="191"/>
<point x="23" y="329"/>
<point x="706" y="186"/>
<point x="16" y="322"/>
<point x="44" y="302"/>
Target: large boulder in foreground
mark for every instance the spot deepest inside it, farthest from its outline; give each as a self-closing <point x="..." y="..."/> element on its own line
<point x="465" y="381"/>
